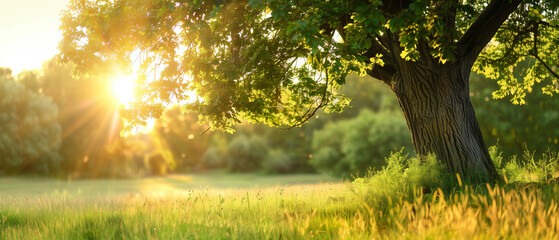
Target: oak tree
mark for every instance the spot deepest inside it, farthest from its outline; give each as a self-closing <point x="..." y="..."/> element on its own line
<point x="278" y="61"/>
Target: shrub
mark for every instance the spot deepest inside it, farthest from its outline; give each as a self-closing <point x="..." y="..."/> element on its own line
<point x="542" y="169"/>
<point x="215" y="155"/>
<point x="349" y="146"/>
<point x="213" y="158"/>
<point x="180" y="134"/>
<point x="528" y="168"/>
<point x="279" y="161"/>
<point x="245" y="154"/>
<point x="401" y="177"/>
<point x="513" y="171"/>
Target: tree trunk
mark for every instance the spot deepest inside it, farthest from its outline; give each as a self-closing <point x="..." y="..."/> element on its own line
<point x="436" y="105"/>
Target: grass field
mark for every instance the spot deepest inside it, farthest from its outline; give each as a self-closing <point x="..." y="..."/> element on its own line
<point x="246" y="206"/>
<point x="170" y="184"/>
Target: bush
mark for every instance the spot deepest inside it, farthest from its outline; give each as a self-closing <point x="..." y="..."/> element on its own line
<point x="245" y="154"/>
<point x="290" y="149"/>
<point x="29" y="131"/>
<point x="352" y="146"/>
<point x="279" y="161"/>
<point x="528" y="168"/>
<point x="213" y="158"/>
<point x="401" y="177"/>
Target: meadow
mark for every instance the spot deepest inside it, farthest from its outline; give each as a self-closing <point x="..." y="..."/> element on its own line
<point x="105" y="95"/>
<point x="249" y="206"/>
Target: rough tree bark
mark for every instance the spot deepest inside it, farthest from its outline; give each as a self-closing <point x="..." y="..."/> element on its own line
<point x="435" y="97"/>
<point x="436" y="105"/>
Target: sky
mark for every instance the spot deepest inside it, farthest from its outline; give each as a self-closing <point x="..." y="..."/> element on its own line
<point x="29" y="32"/>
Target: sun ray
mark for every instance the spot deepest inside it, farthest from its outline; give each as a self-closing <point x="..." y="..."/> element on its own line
<point x="84" y="110"/>
<point x="123" y="89"/>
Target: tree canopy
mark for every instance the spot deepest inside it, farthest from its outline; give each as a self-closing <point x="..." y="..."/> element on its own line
<point x="278" y="61"/>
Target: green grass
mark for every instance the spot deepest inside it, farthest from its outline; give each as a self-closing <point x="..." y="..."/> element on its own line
<point x="151" y="185"/>
<point x="246" y="206"/>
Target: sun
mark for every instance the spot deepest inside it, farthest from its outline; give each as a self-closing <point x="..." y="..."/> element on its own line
<point x="123" y="89"/>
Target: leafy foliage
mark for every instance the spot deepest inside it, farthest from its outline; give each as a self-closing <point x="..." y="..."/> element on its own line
<point x="527" y="167"/>
<point x="194" y="148"/>
<point x="246" y="153"/>
<point x="266" y="61"/>
<point x="29" y="131"/>
<point x="352" y="146"/>
<point x="531" y="35"/>
<point x="513" y="126"/>
<point x="232" y="79"/>
<point x="278" y="61"/>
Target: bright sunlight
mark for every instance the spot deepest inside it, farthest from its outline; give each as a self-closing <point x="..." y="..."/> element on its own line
<point x="123" y="89"/>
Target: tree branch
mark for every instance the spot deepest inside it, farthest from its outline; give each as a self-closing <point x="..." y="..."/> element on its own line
<point x="312" y="111"/>
<point x="542" y="62"/>
<point x="556" y="75"/>
<point x="516" y="40"/>
<point x="385" y="72"/>
<point x="484" y="28"/>
<point x="382" y="73"/>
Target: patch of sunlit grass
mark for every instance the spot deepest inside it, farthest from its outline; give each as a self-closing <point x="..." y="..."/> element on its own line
<point x="312" y="211"/>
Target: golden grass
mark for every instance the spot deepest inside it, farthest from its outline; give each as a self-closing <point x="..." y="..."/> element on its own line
<point x="312" y="211"/>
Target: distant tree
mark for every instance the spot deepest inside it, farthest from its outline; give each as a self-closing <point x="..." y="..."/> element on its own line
<point x="216" y="154"/>
<point x="5" y="73"/>
<point x="246" y="153"/>
<point x="183" y="137"/>
<point x="29" y="80"/>
<point x="29" y="130"/>
<point x="88" y="116"/>
<point x="349" y="147"/>
<point x="279" y="61"/>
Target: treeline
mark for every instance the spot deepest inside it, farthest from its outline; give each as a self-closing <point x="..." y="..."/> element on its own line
<point x="52" y="123"/>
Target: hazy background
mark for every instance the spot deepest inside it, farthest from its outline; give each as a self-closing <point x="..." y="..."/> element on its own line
<point x="52" y="124"/>
<point x="28" y="32"/>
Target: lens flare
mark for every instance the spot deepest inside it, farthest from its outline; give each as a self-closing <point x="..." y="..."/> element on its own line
<point x="123" y="89"/>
